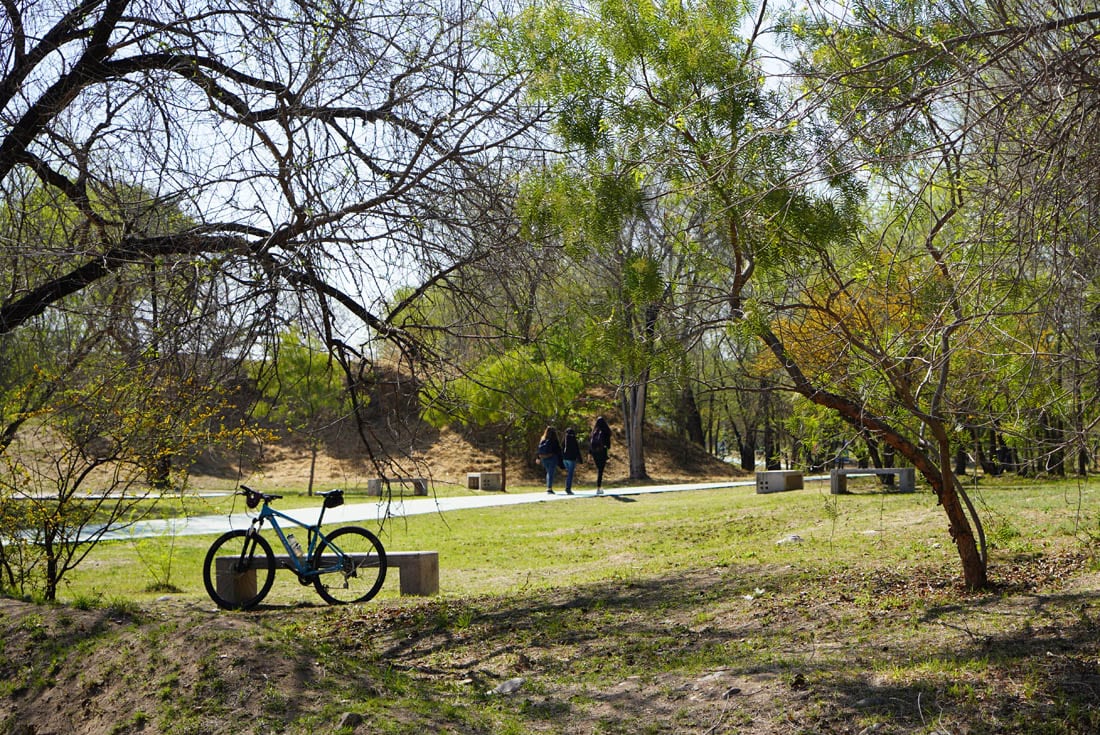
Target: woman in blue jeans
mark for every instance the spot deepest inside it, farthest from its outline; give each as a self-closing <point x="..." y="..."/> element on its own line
<point x="570" y="456"/>
<point x="549" y="454"/>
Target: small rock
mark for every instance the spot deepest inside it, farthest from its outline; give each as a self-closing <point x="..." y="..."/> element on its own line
<point x="509" y="687"/>
<point x="794" y="538"/>
<point x="350" y="720"/>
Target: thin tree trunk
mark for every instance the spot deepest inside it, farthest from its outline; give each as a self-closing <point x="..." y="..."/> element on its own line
<point x="633" y="402"/>
<point x="961" y="460"/>
<point x="746" y="442"/>
<point x="50" y="591"/>
<point x="771" y="454"/>
<point x="504" y="461"/>
<point x="690" y="418"/>
<point x="939" y="477"/>
<point x="312" y="464"/>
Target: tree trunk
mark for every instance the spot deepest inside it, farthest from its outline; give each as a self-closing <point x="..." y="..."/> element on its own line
<point x="691" y="421"/>
<point x="771" y="454"/>
<point x="772" y="459"/>
<point x="939" y="476"/>
<point x="873" y="455"/>
<point x="889" y="460"/>
<point x="312" y="464"/>
<point x="982" y="457"/>
<point x="993" y="454"/>
<point x="633" y="402"/>
<point x="711" y="429"/>
<point x="746" y="446"/>
<point x="961" y="460"/>
<point x="1006" y="457"/>
<point x="746" y="442"/>
<point x="49" y="593"/>
<point x="504" y="461"/>
<point x="1054" y="437"/>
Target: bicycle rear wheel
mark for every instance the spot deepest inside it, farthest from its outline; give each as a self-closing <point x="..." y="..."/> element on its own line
<point x="358" y="566"/>
<point x="244" y="576"/>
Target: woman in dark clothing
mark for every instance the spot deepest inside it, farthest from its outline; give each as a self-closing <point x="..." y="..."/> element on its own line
<point x="599" y="442"/>
<point x="570" y="455"/>
<point x="549" y="454"/>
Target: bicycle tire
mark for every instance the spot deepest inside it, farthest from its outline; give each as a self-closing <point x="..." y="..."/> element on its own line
<point x="237" y="543"/>
<point x="358" y="580"/>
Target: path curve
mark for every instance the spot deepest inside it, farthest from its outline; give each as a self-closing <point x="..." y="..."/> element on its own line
<point x="399" y="508"/>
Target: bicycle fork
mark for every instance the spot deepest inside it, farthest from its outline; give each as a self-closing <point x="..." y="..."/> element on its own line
<point x="248" y="550"/>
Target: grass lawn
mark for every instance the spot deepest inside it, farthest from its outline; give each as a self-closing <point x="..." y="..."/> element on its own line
<point x="717" y="611"/>
<point x="585" y="540"/>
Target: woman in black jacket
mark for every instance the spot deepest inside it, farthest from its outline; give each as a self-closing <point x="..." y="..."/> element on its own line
<point x="570" y="455"/>
<point x="599" y="442"/>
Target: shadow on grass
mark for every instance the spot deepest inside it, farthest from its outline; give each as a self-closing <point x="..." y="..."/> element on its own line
<point x="769" y="645"/>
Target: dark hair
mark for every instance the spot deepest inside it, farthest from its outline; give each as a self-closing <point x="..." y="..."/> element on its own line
<point x="549" y="433"/>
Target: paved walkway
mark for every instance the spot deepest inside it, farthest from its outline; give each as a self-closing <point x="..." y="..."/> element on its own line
<point x="377" y="511"/>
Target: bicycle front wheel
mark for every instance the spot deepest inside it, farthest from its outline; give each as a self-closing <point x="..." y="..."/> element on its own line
<point x="351" y="566"/>
<point x="238" y="570"/>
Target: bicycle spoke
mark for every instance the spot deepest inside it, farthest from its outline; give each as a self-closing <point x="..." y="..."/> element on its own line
<point x="357" y="566"/>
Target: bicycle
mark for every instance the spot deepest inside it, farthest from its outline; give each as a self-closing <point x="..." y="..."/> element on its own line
<point x="345" y="566"/>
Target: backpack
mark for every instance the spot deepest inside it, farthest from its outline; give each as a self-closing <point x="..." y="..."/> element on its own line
<point x="599" y="440"/>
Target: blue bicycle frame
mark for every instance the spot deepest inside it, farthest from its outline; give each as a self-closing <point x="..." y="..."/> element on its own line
<point x="300" y="565"/>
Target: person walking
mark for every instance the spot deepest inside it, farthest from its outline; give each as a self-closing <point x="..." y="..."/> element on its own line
<point x="549" y="454"/>
<point x="599" y="443"/>
<point x="570" y="456"/>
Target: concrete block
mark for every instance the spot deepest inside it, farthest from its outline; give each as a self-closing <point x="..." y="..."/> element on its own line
<point x="777" y="481"/>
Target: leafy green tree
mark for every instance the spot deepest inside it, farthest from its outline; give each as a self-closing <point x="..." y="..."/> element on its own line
<point x="947" y="303"/>
<point x="302" y="390"/>
<point x="658" y="106"/>
<point x="79" y="468"/>
<point x="105" y="402"/>
<point x="514" y="394"/>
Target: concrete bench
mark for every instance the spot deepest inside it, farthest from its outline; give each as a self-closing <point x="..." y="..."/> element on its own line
<point x="419" y="484"/>
<point x="907" y="477"/>
<point x="418" y="572"/>
<point x="777" y="481"/>
<point x="483" y="480"/>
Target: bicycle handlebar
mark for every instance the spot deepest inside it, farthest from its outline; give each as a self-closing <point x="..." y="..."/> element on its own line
<point x="253" y="497"/>
<point x="332" y="498"/>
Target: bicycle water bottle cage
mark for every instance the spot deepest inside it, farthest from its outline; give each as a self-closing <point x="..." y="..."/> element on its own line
<point x="334" y="498"/>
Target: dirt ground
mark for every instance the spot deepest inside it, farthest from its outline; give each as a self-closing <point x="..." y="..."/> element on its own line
<point x="394" y="443"/>
<point x="451" y="455"/>
<point x="691" y="654"/>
